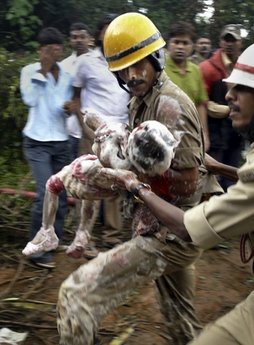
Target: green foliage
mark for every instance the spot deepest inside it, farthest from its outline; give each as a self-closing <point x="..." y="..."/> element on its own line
<point x="12" y="174"/>
<point x="21" y="18"/>
<point x="165" y="12"/>
<point x="239" y="12"/>
<point x="11" y="104"/>
<point x="13" y="113"/>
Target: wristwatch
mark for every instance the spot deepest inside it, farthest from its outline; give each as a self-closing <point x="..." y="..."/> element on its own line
<point x="136" y="189"/>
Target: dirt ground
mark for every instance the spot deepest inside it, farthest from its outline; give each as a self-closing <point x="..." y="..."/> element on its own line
<point x="28" y="295"/>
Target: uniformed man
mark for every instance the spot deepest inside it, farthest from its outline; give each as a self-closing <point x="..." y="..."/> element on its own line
<point x="133" y="47"/>
<point x="222" y="217"/>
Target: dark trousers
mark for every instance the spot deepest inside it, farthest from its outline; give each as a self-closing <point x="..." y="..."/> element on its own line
<point x="226" y="145"/>
<point x="74" y="147"/>
<point x="46" y="159"/>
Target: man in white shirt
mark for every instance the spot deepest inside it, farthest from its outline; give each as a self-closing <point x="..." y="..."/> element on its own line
<point x="102" y="92"/>
<point x="80" y="39"/>
<point x="46" y="89"/>
<point x="98" y="91"/>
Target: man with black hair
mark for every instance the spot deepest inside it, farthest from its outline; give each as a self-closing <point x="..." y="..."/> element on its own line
<point x="226" y="144"/>
<point x="80" y="38"/>
<point x="46" y="89"/>
<point x="185" y="73"/>
<point x="203" y="49"/>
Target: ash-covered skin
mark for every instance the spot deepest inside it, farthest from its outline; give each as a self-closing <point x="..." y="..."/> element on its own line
<point x="144" y="222"/>
<point x="168" y="105"/>
<point x="86" y="179"/>
<point x="110" y="145"/>
<point x="92" y="120"/>
<point x="151" y="148"/>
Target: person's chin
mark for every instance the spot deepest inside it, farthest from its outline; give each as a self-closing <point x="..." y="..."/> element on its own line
<point x="178" y="58"/>
<point x="138" y="91"/>
<point x="229" y="51"/>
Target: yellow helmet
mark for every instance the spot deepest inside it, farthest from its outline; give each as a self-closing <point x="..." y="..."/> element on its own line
<point x="130" y="38"/>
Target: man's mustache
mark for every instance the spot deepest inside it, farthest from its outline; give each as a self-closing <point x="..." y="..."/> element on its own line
<point x="135" y="82"/>
<point x="233" y="107"/>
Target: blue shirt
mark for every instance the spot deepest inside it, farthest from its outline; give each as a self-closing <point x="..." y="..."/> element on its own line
<point x="45" y="98"/>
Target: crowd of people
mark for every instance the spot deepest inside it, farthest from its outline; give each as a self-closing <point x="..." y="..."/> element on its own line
<point x="131" y="75"/>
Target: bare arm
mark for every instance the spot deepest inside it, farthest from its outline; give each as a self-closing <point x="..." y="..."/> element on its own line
<point x="74" y="106"/>
<point x="170" y="215"/>
<point x="218" y="168"/>
<point x="202" y="111"/>
<point x="218" y="111"/>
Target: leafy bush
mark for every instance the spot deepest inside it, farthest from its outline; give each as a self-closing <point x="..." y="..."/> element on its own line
<point x="13" y="113"/>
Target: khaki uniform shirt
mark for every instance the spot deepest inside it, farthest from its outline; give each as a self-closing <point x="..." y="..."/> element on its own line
<point x="225" y="216"/>
<point x="190" y="151"/>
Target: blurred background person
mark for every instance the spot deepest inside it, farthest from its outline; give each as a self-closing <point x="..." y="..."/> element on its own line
<point x="80" y="39"/>
<point x="45" y="89"/>
<point x="203" y="49"/>
<point x="183" y="72"/>
<point x="226" y="144"/>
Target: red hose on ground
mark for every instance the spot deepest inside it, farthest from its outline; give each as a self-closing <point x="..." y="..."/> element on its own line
<point x="29" y="195"/>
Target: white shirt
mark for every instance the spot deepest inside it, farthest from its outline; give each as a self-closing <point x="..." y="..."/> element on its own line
<point x="45" y="98"/>
<point x="69" y="65"/>
<point x="102" y="95"/>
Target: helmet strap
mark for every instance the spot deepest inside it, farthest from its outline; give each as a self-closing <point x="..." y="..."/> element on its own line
<point x="121" y="82"/>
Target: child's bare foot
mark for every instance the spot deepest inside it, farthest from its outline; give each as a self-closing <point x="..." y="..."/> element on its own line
<point x="44" y="241"/>
<point x="77" y="247"/>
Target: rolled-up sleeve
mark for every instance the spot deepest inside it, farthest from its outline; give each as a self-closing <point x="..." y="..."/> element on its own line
<point x="199" y="229"/>
<point x="222" y="217"/>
